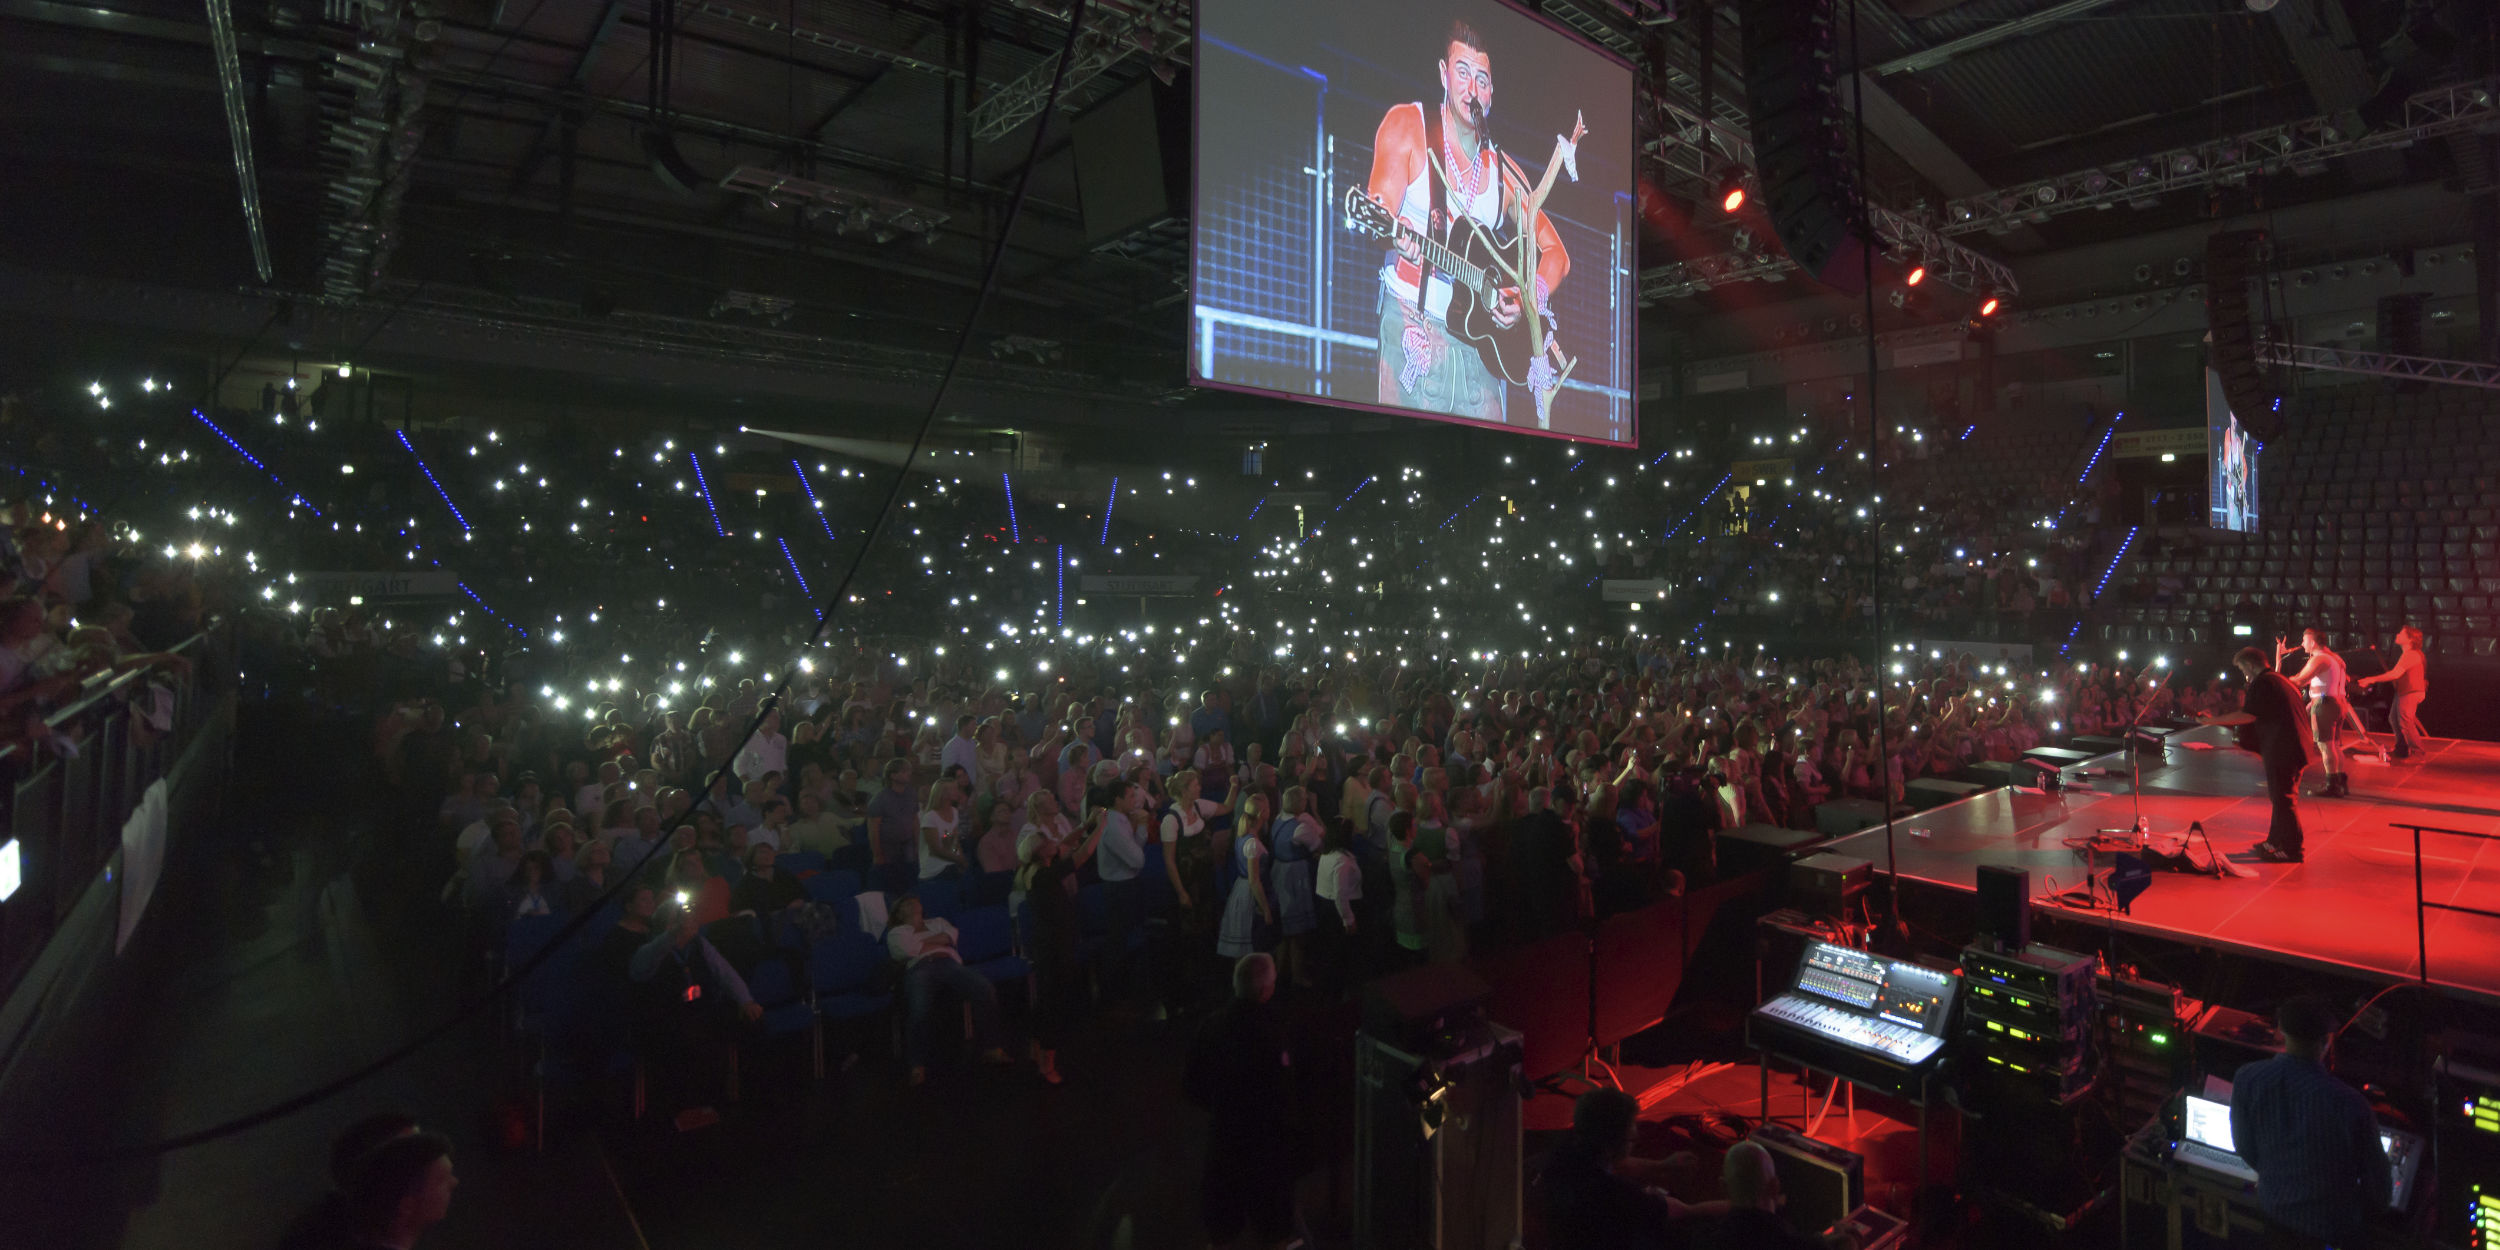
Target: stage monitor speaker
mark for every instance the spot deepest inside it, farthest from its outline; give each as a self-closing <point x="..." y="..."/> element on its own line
<point x="2005" y="905"/>
<point x="1828" y="885"/>
<point x="1132" y="159"/>
<point x="1801" y="154"/>
<point x="2232" y="259"/>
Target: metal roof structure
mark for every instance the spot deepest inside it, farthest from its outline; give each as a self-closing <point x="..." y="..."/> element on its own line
<point x="847" y="161"/>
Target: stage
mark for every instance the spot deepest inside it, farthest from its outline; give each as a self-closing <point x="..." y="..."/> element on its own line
<point x="2350" y="907"/>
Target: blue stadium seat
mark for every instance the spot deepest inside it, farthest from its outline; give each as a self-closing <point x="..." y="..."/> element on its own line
<point x="843" y="971"/>
<point x="832" y="886"/>
<point x="985" y="940"/>
<point x="941" y="896"/>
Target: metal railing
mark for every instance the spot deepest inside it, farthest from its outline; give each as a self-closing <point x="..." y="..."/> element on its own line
<point x="66" y="809"/>
<point x="2422" y="906"/>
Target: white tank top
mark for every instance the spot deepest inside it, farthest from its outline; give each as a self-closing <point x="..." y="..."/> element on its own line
<point x="1478" y="198"/>
<point x="2328" y="681"/>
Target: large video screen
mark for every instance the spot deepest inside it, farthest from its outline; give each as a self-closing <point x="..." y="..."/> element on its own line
<point x="1416" y="206"/>
<point x="2231" y="460"/>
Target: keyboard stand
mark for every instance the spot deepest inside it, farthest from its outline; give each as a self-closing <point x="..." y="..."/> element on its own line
<point x="1926" y="1075"/>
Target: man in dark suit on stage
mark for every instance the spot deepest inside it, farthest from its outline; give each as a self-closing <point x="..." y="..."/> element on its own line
<point x="2277" y="730"/>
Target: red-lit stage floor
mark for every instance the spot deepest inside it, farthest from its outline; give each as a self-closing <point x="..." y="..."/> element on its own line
<point x="2350" y="906"/>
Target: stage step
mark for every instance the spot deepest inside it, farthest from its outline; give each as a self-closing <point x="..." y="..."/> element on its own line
<point x="1927" y="792"/>
<point x="2095" y="744"/>
<point x="1841" y="816"/>
<point x="1989" y="773"/>
<point x="1763" y="846"/>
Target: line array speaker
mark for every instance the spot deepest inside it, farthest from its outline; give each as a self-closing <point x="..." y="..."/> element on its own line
<point x="2231" y="261"/>
<point x="1800" y="151"/>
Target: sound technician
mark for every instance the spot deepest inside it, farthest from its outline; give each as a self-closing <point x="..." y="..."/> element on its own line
<point x="2312" y="1138"/>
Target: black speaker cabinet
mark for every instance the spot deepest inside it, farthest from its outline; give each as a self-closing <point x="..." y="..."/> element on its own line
<point x="2005" y="905"/>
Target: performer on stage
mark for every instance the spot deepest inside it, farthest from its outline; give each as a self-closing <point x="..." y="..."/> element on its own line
<point x="2411" y="684"/>
<point x="2323" y="678"/>
<point x="2271" y="710"/>
<point x="1423" y="364"/>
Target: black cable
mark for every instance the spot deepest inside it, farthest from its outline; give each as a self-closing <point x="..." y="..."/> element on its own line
<point x="18" y="1162"/>
<point x="1874" y="465"/>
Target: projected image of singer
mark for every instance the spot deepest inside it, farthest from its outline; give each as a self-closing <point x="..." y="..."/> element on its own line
<point x="1456" y="327"/>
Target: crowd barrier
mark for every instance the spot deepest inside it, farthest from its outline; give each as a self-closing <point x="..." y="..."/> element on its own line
<point x="88" y="826"/>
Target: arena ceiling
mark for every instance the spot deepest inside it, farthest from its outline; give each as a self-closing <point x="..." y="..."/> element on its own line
<point x="489" y="164"/>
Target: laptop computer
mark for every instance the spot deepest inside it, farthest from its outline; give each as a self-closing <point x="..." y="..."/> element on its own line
<point x="2205" y="1142"/>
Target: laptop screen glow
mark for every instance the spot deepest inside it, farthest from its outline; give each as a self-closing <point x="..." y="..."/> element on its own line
<point x="2209" y="1124"/>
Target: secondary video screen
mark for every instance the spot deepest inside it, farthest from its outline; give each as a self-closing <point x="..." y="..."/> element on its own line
<point x="1422" y="207"/>
<point x="2231" y="460"/>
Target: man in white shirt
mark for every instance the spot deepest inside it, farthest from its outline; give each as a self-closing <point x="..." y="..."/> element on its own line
<point x="965" y="750"/>
<point x="925" y="946"/>
<point x="767" y="751"/>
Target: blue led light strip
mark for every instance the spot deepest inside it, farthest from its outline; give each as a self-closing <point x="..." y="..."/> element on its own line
<point x="293" y="499"/>
<point x="1453" y="518"/>
<point x="429" y="476"/>
<point x="1107" y="506"/>
<point x="794" y="567"/>
<point x="1322" y="527"/>
<point x="1706" y="497"/>
<point x="2069" y="644"/>
<point x="1254" y="515"/>
<point x="818" y="504"/>
<point x="1974" y="428"/>
<point x="706" y="488"/>
<point x="2106" y="573"/>
<point x="464" y="589"/>
<point x="1015" y="532"/>
<point x="794" y="572"/>
<point x="2106" y="435"/>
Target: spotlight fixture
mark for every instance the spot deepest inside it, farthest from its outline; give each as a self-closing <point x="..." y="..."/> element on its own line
<point x="1732" y="193"/>
<point x="1989" y="307"/>
<point x="1918" y="274"/>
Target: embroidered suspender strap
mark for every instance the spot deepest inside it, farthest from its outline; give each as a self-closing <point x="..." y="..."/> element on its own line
<point x="1435" y="225"/>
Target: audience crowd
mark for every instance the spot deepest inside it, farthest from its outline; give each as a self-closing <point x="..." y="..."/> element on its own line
<point x="939" y="802"/>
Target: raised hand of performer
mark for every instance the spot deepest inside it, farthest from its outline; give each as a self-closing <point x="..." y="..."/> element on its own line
<point x="2282" y="648"/>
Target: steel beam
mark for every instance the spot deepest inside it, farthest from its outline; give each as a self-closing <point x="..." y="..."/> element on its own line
<point x="1929" y="58"/>
<point x="1678" y="145"/>
<point x="239" y="129"/>
<point x="2380" y="364"/>
<point x="2299" y="147"/>
<point x="1113" y="29"/>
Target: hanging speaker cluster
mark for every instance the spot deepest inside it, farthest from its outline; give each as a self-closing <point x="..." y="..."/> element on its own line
<point x="2232" y="259"/>
<point x="1801" y="152"/>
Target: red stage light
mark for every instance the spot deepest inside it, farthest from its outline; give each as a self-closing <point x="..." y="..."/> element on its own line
<point x="1733" y="200"/>
<point x="1918" y="274"/>
<point x="1988" y="308"/>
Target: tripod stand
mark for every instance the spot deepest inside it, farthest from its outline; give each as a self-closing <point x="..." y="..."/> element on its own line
<point x="2137" y="837"/>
